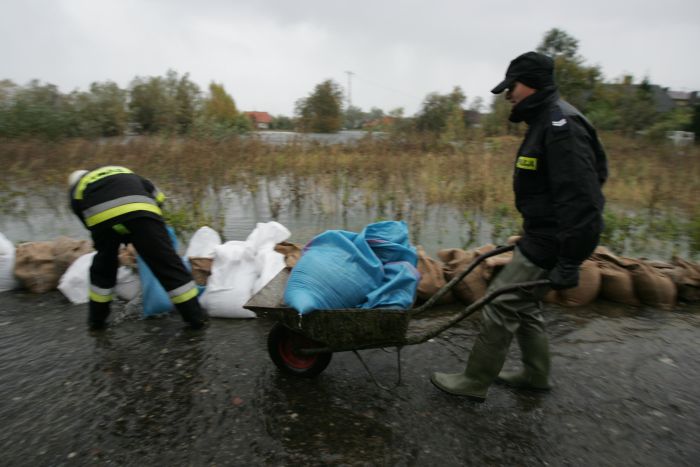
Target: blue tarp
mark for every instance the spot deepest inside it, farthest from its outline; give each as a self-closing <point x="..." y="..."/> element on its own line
<point x="339" y="269"/>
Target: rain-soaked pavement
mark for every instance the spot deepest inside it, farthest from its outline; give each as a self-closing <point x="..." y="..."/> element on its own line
<point x="148" y="393"/>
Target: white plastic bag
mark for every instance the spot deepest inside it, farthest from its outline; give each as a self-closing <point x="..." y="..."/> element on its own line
<point x="267" y="234"/>
<point x="74" y="283"/>
<point x="203" y="243"/>
<point x="128" y="283"/>
<point x="8" y="281"/>
<point x="268" y="262"/>
<point x="241" y="269"/>
<point x="230" y="285"/>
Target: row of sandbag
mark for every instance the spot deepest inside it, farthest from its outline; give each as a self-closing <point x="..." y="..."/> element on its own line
<point x="604" y="275"/>
<point x="232" y="271"/>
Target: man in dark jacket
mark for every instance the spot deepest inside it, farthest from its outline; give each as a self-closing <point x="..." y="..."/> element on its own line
<point x="120" y="207"/>
<point x="559" y="172"/>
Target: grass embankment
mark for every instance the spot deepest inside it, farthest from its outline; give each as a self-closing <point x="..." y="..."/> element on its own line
<point x="652" y="190"/>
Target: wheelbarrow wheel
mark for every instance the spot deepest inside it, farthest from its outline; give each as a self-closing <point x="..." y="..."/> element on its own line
<point x="283" y="345"/>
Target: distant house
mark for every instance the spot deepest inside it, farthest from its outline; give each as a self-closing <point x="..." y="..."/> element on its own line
<point x="683" y="98"/>
<point x="261" y="120"/>
<point x="665" y="100"/>
<point x="662" y="98"/>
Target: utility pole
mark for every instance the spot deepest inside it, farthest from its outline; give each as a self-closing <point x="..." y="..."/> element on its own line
<point x="349" y="73"/>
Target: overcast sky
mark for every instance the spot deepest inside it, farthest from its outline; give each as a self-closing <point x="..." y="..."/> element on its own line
<point x="269" y="53"/>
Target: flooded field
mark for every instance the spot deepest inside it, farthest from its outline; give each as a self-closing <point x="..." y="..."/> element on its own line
<point x="307" y="208"/>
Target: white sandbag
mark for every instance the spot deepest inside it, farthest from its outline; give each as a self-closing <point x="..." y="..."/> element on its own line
<point x="74" y="283"/>
<point x="267" y="234"/>
<point x="203" y="243"/>
<point x="269" y="264"/>
<point x="230" y="286"/>
<point x="8" y="281"/>
<point x="128" y="284"/>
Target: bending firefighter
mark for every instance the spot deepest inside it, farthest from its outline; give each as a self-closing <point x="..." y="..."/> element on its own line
<point x="558" y="175"/>
<point x="121" y="207"/>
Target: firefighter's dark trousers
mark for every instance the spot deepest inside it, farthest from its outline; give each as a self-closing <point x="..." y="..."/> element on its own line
<point x="152" y="242"/>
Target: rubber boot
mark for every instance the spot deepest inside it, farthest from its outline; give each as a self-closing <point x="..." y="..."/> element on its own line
<point x="535" y="357"/>
<point x="485" y="361"/>
<point x="97" y="315"/>
<point x="193" y="314"/>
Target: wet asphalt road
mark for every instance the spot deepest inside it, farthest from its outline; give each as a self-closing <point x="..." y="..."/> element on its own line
<point x="148" y="393"/>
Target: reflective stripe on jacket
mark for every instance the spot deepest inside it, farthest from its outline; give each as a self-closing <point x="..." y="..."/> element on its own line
<point x="109" y="195"/>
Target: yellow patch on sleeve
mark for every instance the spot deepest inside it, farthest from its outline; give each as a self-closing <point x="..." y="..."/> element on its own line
<point x="526" y="163"/>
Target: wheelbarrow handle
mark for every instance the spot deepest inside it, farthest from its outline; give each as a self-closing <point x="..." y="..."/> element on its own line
<point x="477" y="305"/>
<point x="458" y="278"/>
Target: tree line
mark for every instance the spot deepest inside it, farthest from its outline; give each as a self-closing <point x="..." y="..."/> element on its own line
<point x="173" y="104"/>
<point x="169" y="104"/>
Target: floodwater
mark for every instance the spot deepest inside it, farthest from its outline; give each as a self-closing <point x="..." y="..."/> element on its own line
<point x="286" y="137"/>
<point x="308" y="209"/>
<point x="147" y="392"/>
<point x="46" y="216"/>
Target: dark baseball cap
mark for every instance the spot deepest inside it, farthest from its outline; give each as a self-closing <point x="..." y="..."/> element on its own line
<point x="531" y="68"/>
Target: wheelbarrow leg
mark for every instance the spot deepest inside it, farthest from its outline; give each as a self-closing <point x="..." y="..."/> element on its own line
<point x="371" y="375"/>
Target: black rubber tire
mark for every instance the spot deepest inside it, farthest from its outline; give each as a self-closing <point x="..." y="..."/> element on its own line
<point x="282" y="344"/>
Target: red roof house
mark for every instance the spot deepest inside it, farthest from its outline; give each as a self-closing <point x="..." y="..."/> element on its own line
<point x="261" y="120"/>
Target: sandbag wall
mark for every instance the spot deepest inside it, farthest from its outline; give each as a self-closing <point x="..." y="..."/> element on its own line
<point x="232" y="271"/>
<point x="604" y="275"/>
<point x="38" y="267"/>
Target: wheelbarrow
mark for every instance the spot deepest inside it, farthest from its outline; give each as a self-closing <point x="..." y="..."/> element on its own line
<point x="303" y="345"/>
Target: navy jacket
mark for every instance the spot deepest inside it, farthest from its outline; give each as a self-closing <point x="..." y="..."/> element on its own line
<point x="559" y="172"/>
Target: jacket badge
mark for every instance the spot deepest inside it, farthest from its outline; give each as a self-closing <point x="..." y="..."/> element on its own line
<point x="526" y="163"/>
<point x="561" y="122"/>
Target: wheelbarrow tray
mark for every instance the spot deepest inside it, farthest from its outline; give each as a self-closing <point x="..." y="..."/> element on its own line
<point x="348" y="328"/>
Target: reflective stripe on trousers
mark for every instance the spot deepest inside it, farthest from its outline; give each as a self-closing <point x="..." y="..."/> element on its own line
<point x="183" y="293"/>
<point x="100" y="295"/>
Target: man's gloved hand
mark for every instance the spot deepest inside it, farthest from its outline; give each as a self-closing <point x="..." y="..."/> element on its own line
<point x="565" y="274"/>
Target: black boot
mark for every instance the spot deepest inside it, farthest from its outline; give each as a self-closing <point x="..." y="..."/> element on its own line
<point x="97" y="315"/>
<point x="193" y="314"/>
